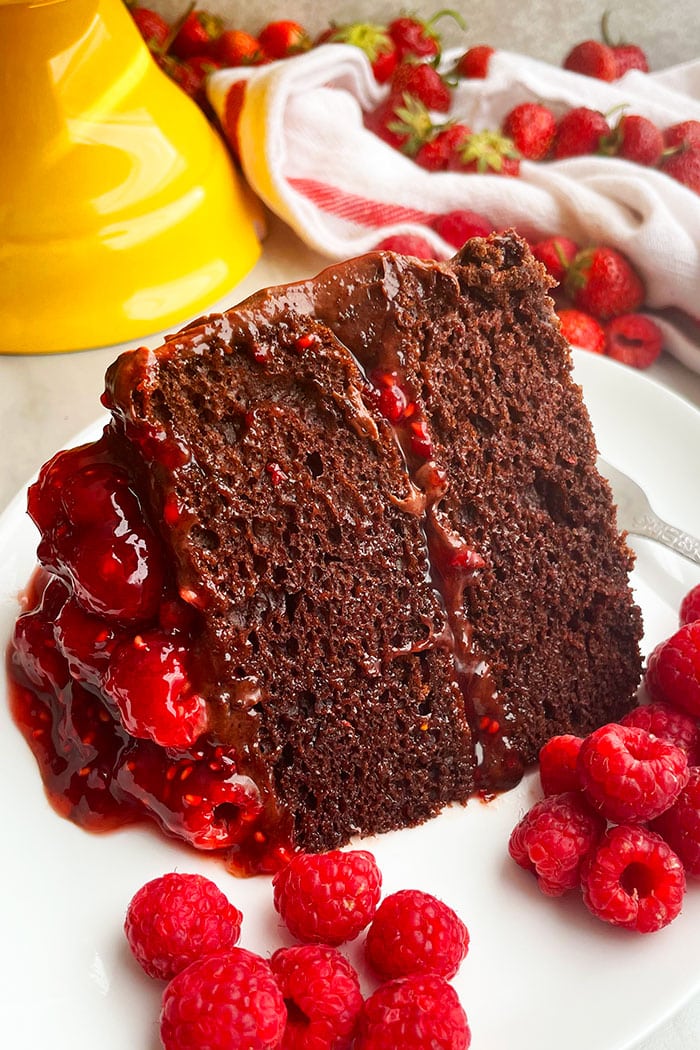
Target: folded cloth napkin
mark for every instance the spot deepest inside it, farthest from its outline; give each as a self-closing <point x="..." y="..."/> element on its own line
<point x="306" y="152"/>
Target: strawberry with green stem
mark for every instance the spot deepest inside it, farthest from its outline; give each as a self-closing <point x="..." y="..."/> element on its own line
<point x="487" y="152"/>
<point x="415" y="37"/>
<point x="371" y="38"/>
<point x="602" y="282"/>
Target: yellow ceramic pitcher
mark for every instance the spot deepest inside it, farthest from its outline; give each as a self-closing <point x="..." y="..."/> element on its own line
<point x="120" y="212"/>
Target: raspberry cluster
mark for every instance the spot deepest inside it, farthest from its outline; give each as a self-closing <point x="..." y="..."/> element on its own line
<point x="182" y="929"/>
<point x="620" y="817"/>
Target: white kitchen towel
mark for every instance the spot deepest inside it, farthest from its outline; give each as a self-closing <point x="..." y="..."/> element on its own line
<point x="305" y="151"/>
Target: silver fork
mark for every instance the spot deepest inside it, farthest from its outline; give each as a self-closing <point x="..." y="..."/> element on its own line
<point x="636" y="515"/>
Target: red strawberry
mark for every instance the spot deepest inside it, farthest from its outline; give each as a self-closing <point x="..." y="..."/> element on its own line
<point x="635" y="138"/>
<point x="474" y="63"/>
<point x="556" y="254"/>
<point x="199" y="67"/>
<point x="403" y="123"/>
<point x="235" y="47"/>
<point x="487" y="152"/>
<point x="684" y="166"/>
<point x="283" y="38"/>
<point x="196" y="34"/>
<point x="592" y="59"/>
<point x="687" y="133"/>
<point x="579" y="132"/>
<point x="408" y="244"/>
<point x="634" y="339"/>
<point x="627" y="56"/>
<point x="423" y="82"/>
<point x="602" y="282"/>
<point x="437" y="152"/>
<point x="374" y="40"/>
<point x="532" y="127"/>
<point x="457" y="227"/>
<point x="152" y="27"/>
<point x="418" y="38"/>
<point x="582" y="331"/>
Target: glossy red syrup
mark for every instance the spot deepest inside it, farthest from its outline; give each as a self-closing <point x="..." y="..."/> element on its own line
<point x="104" y="682"/>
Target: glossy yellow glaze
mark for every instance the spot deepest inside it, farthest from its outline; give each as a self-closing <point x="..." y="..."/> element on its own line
<point x="120" y="211"/>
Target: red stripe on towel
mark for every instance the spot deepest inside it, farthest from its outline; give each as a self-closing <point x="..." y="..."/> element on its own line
<point x="353" y="208"/>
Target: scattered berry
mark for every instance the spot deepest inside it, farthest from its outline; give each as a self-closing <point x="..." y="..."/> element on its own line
<point x="414" y="932"/>
<point x="673" y="670"/>
<point x="474" y="63"/>
<point x="328" y="897"/>
<point x="283" y="38"/>
<point x="557" y="762"/>
<point x="152" y="27"/>
<point x="592" y="59"/>
<point x="581" y="330"/>
<point x="226" y="1001"/>
<point x="633" y="879"/>
<point x="602" y="282"/>
<point x="423" y="82"/>
<point x="176" y="919"/>
<point x="322" y="994"/>
<point x="196" y="35"/>
<point x="684" y="166"/>
<point x="457" y="227"/>
<point x="686" y="133"/>
<point x="420" y="1012"/>
<point x="376" y="43"/>
<point x="556" y="254"/>
<point x="436" y="154"/>
<point x="235" y="47"/>
<point x="148" y="681"/>
<point x="553" y="838"/>
<point x="634" y="339"/>
<point x="487" y="152"/>
<point x="690" y="606"/>
<point x="679" y="826"/>
<point x="532" y="128"/>
<point x="669" y="724"/>
<point x="415" y="38"/>
<point x="627" y="56"/>
<point x="635" y="138"/>
<point x="629" y="775"/>
<point x="407" y="244"/>
<point x="579" y="132"/>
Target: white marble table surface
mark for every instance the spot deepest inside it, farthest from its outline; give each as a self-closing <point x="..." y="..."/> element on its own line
<point x="46" y="400"/>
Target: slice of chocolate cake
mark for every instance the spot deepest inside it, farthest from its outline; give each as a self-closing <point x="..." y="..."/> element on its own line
<point x="380" y="567"/>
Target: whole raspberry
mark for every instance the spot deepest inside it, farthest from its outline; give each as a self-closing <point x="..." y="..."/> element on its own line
<point x="680" y="825"/>
<point x="690" y="606"/>
<point x="178" y="918"/>
<point x="669" y="724"/>
<point x="558" y="769"/>
<point x="421" y="1012"/>
<point x="223" y="1002"/>
<point x="414" y="932"/>
<point x="323" y="997"/>
<point x="673" y="670"/>
<point x="633" y="879"/>
<point x="328" y="897"/>
<point x="553" y="838"/>
<point x="629" y="775"/>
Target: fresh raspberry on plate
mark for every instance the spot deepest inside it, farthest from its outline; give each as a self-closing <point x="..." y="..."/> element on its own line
<point x="224" y="1002"/>
<point x="420" y="1012"/>
<point x="673" y="670"/>
<point x="553" y="838"/>
<point x="690" y="606"/>
<point x="629" y="775"/>
<point x="669" y="724"/>
<point x="178" y="918"/>
<point x="328" y="897"/>
<point x="633" y="879"/>
<point x="634" y="340"/>
<point x="414" y="932"/>
<point x="323" y="997"/>
<point x="557" y="759"/>
<point x="680" y="825"/>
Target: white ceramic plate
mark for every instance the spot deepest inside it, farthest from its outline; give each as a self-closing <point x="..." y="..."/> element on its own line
<point x="540" y="975"/>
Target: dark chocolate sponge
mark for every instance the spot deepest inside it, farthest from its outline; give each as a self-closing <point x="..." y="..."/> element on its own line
<point x="379" y="490"/>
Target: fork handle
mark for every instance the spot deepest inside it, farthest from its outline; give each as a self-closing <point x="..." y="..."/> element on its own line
<point x="655" y="528"/>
